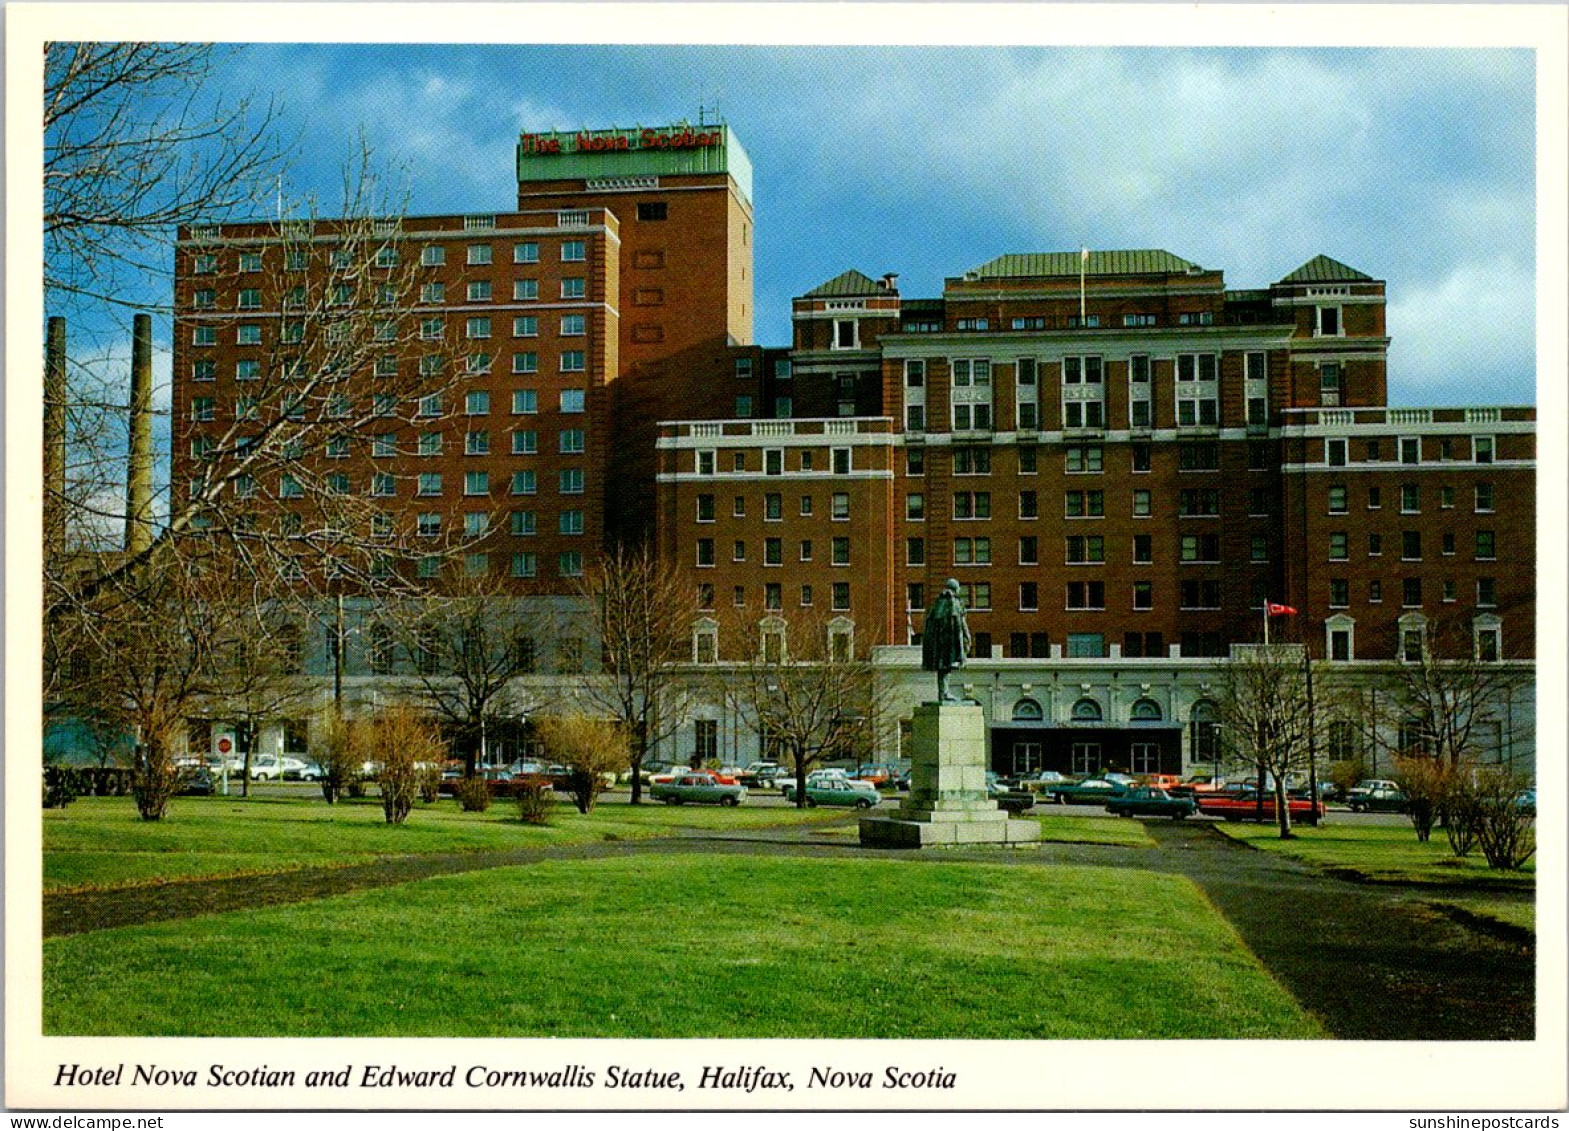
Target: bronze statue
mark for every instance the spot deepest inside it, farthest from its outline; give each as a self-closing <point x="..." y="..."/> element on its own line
<point x="945" y="638"/>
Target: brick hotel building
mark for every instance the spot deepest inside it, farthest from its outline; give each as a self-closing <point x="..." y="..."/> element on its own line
<point x="1119" y="458"/>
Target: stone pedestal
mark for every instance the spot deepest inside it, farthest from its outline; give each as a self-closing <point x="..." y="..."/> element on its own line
<point x="947" y="802"/>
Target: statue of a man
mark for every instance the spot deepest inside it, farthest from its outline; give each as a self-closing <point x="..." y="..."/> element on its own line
<point x="945" y="638"/>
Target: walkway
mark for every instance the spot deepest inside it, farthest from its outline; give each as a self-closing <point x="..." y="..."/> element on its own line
<point x="1370" y="961"/>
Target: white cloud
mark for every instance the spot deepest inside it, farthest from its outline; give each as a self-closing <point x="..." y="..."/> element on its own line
<point x="1493" y="363"/>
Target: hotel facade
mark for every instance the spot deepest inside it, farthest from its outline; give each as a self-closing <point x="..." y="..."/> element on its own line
<point x="1120" y="458"/>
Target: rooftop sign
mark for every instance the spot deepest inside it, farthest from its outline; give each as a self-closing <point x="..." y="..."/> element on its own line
<point x="617" y="141"/>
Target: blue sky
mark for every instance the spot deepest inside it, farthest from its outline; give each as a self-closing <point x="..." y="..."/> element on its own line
<point x="1414" y="165"/>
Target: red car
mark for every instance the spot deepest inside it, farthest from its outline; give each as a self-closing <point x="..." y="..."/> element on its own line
<point x="1243" y="805"/>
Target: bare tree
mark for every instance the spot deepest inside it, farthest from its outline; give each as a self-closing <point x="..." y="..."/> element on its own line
<point x="809" y="689"/>
<point x="1264" y="707"/>
<point x="594" y="750"/>
<point x="643" y="613"/>
<point x="467" y="643"/>
<point x="256" y="676"/>
<point x="134" y="146"/>
<point x="1443" y="700"/>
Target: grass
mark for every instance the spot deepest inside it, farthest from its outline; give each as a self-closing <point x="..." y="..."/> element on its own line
<point x="99" y="842"/>
<point x="1093" y="830"/>
<point x="1383" y="854"/>
<point x="1510" y="912"/>
<point x="682" y="946"/>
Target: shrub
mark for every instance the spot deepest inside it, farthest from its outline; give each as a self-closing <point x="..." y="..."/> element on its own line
<point x="340" y="769"/>
<point x="534" y="802"/>
<point x="1345" y="774"/>
<point x="153" y="780"/>
<point x="595" y="750"/>
<point x="1426" y="783"/>
<point x="429" y="785"/>
<point x="1505" y="832"/>
<point x="473" y="794"/>
<point x="63" y="785"/>
<point x="397" y="739"/>
<point x="1462" y="810"/>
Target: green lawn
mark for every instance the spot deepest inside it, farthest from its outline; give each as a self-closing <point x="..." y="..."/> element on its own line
<point x="678" y="946"/>
<point x="1513" y="912"/>
<point x="1092" y="830"/>
<point x="102" y="842"/>
<point x="1385" y="853"/>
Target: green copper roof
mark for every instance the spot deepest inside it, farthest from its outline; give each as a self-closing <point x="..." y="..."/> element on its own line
<point x="852" y="284"/>
<point x="1322" y="269"/>
<point x="1067" y="263"/>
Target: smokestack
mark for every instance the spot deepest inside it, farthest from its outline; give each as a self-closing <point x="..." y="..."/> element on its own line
<point x="54" y="438"/>
<point x="139" y="472"/>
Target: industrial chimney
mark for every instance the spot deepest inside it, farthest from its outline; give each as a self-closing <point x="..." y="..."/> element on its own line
<point x="139" y="471"/>
<point x="54" y="438"/>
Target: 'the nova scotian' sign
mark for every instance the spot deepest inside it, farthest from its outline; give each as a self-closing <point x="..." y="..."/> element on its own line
<point x="612" y="141"/>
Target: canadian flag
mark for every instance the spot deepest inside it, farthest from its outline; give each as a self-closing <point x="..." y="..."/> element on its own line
<point x="1274" y="610"/>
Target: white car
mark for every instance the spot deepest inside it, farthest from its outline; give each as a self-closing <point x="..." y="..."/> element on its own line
<point x="267" y="767"/>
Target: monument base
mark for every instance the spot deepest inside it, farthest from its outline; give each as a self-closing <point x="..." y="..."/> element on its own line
<point x="947" y="804"/>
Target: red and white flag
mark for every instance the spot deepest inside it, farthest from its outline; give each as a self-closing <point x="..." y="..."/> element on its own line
<point x="1275" y="610"/>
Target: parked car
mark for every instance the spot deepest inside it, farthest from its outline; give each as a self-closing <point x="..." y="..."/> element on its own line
<point x="197" y="783"/>
<point x="1359" y="792"/>
<point x="1384" y="797"/>
<point x="268" y="767"/>
<point x="1090" y="791"/>
<point x="1158" y="781"/>
<point x="1148" y="801"/>
<point x="1197" y="784"/>
<point x="837" y="791"/>
<point x="1525" y="801"/>
<point x="1245" y="805"/>
<point x="312" y="771"/>
<point x="696" y="787"/>
<point x="1039" y="782"/>
<point x="760" y="775"/>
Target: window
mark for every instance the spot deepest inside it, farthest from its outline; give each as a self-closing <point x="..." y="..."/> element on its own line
<point x="571" y="440"/>
<point x="703" y="461"/>
<point x="428" y="525"/>
<point x="1339" y="593"/>
<point x="1410" y="498"/>
<point x="1411" y="545"/>
<point x="203" y="409"/>
<point x="1486" y="592"/>
<point x="479" y="291"/>
<point x="914" y="507"/>
<point x="1029" y="596"/>
<point x="1198" y="502"/>
<point x="573" y="361"/>
<point x="841" y="461"/>
<point x="525" y="326"/>
<point x="972" y="461"/>
<point x="1486" y="548"/>
<point x="806" y="505"/>
<point x="1143" y="549"/>
<point x="1411" y="592"/>
<point x="1482" y="449"/>
<point x="476" y="444"/>
<point x="1335" y="452"/>
<point x="841" y="596"/>
<point x="705" y="552"/>
<point x="479" y="254"/>
<point x="1410" y="449"/>
<point x="430" y="329"/>
<point x="247" y="370"/>
<point x="1143" y="595"/>
<point x="1484" y="498"/>
<point x="570" y="564"/>
<point x="523" y="523"/>
<point x="476" y="483"/>
<point x="840" y="503"/>
<point x="572" y="400"/>
<point x="971" y="395"/>
<point x="1258" y="548"/>
<point x="743" y="406"/>
<point x="804" y="551"/>
<point x="1375" y="545"/>
<point x="570" y="522"/>
<point x="204" y="265"/>
<point x="1327" y="323"/>
<point x="525" y="252"/>
<point x="525" y="401"/>
<point x="1337" y="501"/>
<point x="773" y="551"/>
<point x="1199" y="548"/>
<point x="476" y="524"/>
<point x="478" y="327"/>
<point x="1026" y="395"/>
<point x="429" y="484"/>
<point x="1086" y="595"/>
<point x="972" y="551"/>
<point x="971" y="504"/>
<point x="476" y="403"/>
<point x="1029" y="504"/>
<point x="1203" y="594"/>
<point x="573" y="325"/>
<point x="1029" y="550"/>
<point x="841" y="551"/>
<point x="1086" y="549"/>
<point x="1084" y="504"/>
<point x="572" y="481"/>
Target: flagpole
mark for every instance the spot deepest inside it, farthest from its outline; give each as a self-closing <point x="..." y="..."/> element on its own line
<point x="1266" y="622"/>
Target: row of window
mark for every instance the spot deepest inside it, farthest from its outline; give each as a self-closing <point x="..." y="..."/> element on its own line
<point x="1408" y="450"/>
<point x="1087" y="549"/>
<point x="476" y="524"/>
<point x="477" y="327"/>
<point x="773" y="551"/>
<point x="839" y="461"/>
<point x="1140" y="319"/>
<point x="1411" y="592"/>
<point x="1484" y="544"/>
<point x="387" y="256"/>
<point x="1411" y="498"/>
<point x="773" y="507"/>
<point x="428" y="484"/>
<point x="773" y="596"/>
<point x="1487" y="642"/>
<point x="339" y="406"/>
<point x="343" y="294"/>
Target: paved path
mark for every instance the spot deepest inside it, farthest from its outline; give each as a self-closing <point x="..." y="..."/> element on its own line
<point x="1371" y="961"/>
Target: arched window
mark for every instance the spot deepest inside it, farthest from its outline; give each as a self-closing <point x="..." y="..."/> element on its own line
<point x="1086" y="711"/>
<point x="1027" y="711"/>
<point x="1204" y="737"/>
<point x="1145" y="711"/>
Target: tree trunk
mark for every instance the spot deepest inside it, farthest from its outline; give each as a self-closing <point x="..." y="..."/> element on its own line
<point x="1282" y="809"/>
<point x="639" y="752"/>
<point x="800" y="778"/>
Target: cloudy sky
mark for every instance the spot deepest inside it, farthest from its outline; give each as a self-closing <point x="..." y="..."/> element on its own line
<point x="1413" y="165"/>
